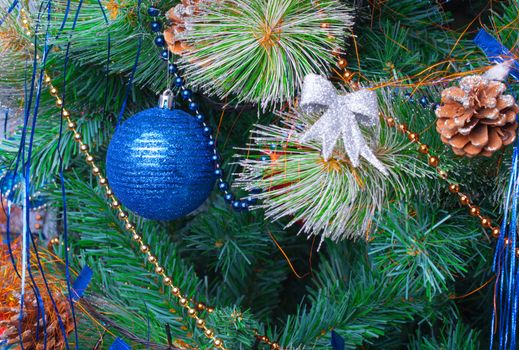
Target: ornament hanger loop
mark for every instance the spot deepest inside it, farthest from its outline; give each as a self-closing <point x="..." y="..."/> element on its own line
<point x="166" y="99"/>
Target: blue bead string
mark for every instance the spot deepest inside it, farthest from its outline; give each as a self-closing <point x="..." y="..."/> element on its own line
<point x="187" y="95"/>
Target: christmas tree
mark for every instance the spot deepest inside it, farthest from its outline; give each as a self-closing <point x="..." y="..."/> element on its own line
<point x="316" y="174"/>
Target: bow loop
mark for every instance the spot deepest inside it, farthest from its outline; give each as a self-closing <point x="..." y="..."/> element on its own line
<point x="365" y="106"/>
<point x="318" y="94"/>
<point x="341" y="117"/>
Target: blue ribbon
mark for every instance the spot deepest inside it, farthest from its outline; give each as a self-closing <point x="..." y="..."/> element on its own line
<point x="71" y="295"/>
<point x="26" y="175"/>
<point x="495" y="51"/>
<point x="506" y="294"/>
<point x="81" y="282"/>
<point x="4" y="345"/>
<point x="337" y="341"/>
<point x="7" y="184"/>
<point x="120" y="344"/>
<point x="108" y="45"/>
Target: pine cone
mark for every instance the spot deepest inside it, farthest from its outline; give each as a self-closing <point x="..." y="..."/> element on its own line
<point x="32" y="336"/>
<point x="32" y="340"/>
<point x="178" y="16"/>
<point x="476" y="118"/>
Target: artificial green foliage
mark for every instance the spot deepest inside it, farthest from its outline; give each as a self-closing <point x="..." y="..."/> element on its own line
<point x="348" y="297"/>
<point x="260" y="50"/>
<point x="452" y="336"/>
<point x="331" y="198"/>
<point x="237" y="326"/>
<point x="238" y="253"/>
<point x="134" y="286"/>
<point x="125" y="26"/>
<point x="423" y="248"/>
<point x="402" y="38"/>
<point x="46" y="143"/>
<point x="424" y="280"/>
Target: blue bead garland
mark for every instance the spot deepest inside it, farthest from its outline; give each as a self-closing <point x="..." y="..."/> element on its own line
<point x="156" y="27"/>
<point x="160" y="41"/>
<point x="251" y="200"/>
<point x="179" y="82"/>
<point x="200" y="118"/>
<point x="193" y="106"/>
<point x="424" y="101"/>
<point x="165" y="55"/>
<point x="186" y="95"/>
<point x="153" y="11"/>
<point x="172" y="68"/>
<point x="207" y="130"/>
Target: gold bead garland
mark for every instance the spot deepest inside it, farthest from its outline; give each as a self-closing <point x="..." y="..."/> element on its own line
<point x="192" y="312"/>
<point x="128" y="225"/>
<point x="266" y="340"/>
<point x="454" y="188"/>
<point x="342" y="64"/>
<point x="123" y="216"/>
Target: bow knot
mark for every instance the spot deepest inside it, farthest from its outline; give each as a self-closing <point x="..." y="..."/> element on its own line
<point x="342" y="115"/>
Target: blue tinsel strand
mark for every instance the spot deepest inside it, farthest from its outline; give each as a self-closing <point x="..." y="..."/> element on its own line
<point x="506" y="292"/>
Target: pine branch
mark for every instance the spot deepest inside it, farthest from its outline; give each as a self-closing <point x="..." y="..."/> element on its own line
<point x="419" y="247"/>
<point x="350" y="298"/>
<point x="455" y="335"/>
<point x="333" y="199"/>
<point x="402" y="38"/>
<point x="45" y="157"/>
<point x="236" y="252"/>
<point x="121" y="274"/>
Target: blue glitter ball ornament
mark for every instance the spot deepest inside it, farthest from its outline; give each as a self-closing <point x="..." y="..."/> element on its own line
<point x="159" y="164"/>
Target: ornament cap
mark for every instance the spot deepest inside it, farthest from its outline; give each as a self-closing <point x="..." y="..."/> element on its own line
<point x="166" y="99"/>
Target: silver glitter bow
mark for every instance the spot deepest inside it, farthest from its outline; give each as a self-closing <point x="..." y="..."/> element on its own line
<point x="342" y="115"/>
